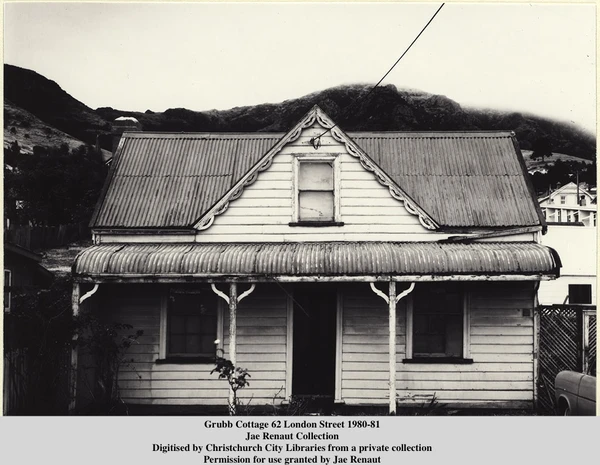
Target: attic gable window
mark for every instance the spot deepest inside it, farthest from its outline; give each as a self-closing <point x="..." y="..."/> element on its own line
<point x="316" y="200"/>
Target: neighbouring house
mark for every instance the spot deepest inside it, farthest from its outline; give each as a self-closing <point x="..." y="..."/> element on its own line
<point x="570" y="212"/>
<point x="23" y="273"/>
<point x="571" y="203"/>
<point x="577" y="246"/>
<point x="367" y="268"/>
<point x="22" y="270"/>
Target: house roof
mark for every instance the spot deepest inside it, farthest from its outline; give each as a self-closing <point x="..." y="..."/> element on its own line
<point x="22" y="251"/>
<point x="566" y="187"/>
<point x="459" y="179"/>
<point x="33" y="259"/>
<point x="268" y="261"/>
<point x="160" y="180"/>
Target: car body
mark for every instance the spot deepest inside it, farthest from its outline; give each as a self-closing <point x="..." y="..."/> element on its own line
<point x="575" y="393"/>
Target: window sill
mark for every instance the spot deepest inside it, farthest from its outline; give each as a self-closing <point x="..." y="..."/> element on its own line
<point x="186" y="360"/>
<point x="446" y="360"/>
<point x="317" y="223"/>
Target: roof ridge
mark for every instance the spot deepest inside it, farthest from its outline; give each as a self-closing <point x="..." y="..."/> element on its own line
<point x="224" y="134"/>
<point x="142" y="134"/>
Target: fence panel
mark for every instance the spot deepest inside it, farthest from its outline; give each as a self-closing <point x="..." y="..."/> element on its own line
<point x="567" y="341"/>
<point x="24" y="385"/>
<point x="592" y="343"/>
<point x="44" y="237"/>
<point x="15" y="380"/>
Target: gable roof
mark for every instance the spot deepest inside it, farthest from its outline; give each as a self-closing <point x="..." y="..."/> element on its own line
<point x="162" y="180"/>
<point x="462" y="179"/>
<point x="566" y="187"/>
<point x="457" y="179"/>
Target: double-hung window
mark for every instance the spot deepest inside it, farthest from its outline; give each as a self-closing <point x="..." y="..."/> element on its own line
<point x="193" y="319"/>
<point x="438" y="323"/>
<point x="316" y="201"/>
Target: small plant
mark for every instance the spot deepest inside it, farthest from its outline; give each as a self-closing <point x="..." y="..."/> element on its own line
<point x="431" y="407"/>
<point x="236" y="377"/>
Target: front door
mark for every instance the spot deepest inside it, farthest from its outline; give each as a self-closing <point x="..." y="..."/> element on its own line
<point x="314" y="340"/>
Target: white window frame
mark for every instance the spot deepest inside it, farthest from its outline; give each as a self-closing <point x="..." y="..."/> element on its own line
<point x="466" y="351"/>
<point x="164" y="329"/>
<point x="9" y="292"/>
<point x="308" y="158"/>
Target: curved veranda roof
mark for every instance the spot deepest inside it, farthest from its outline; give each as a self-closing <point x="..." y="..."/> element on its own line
<point x="317" y="260"/>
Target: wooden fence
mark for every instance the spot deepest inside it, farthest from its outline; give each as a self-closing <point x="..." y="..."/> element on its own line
<point x="566" y="341"/>
<point x="45" y="237"/>
<point x="22" y="392"/>
<point x="15" y="373"/>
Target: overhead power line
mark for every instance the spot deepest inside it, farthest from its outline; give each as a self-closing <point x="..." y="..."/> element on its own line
<point x="358" y="99"/>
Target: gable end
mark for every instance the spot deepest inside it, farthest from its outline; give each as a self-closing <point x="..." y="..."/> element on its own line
<point x="316" y="115"/>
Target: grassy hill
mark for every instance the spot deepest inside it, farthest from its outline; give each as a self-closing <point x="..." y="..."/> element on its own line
<point x="28" y="131"/>
<point x="551" y="160"/>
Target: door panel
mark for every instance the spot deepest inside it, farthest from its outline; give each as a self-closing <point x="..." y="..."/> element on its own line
<point x="315" y="307"/>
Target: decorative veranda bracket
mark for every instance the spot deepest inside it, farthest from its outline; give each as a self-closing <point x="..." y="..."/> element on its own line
<point x="225" y="297"/>
<point x="400" y="296"/>
<point x="87" y="295"/>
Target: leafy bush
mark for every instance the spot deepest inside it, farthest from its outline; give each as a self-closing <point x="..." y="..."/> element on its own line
<point x="236" y="377"/>
<point x="107" y="344"/>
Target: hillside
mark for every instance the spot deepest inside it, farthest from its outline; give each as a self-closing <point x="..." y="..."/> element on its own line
<point x="386" y="109"/>
<point x="45" y="99"/>
<point x="538" y="163"/>
<point x="29" y="131"/>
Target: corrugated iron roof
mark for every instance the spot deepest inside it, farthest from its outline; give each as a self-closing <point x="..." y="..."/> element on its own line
<point x="169" y="180"/>
<point x="319" y="258"/>
<point x="461" y="179"/>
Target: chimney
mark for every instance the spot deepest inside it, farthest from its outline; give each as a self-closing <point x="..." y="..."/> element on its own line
<point x="123" y="124"/>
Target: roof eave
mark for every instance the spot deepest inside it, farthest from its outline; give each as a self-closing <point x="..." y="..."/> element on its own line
<point x="529" y="184"/>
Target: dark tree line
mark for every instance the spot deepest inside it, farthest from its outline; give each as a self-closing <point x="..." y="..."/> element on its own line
<point x="52" y="186"/>
<point x="564" y="172"/>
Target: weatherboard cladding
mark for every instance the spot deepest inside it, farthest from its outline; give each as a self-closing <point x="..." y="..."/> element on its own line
<point x="461" y="179"/>
<point x="311" y="259"/>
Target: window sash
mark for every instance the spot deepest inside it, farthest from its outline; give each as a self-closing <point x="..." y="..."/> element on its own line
<point x="192" y="324"/>
<point x="316" y="206"/>
<point x="315" y="176"/>
<point x="316" y="193"/>
<point x="434" y="331"/>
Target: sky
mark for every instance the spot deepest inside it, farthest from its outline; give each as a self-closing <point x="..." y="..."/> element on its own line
<point x="532" y="58"/>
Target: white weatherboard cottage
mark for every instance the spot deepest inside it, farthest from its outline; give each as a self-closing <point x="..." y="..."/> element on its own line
<point x="571" y="215"/>
<point x="371" y="268"/>
<point x="571" y="203"/>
